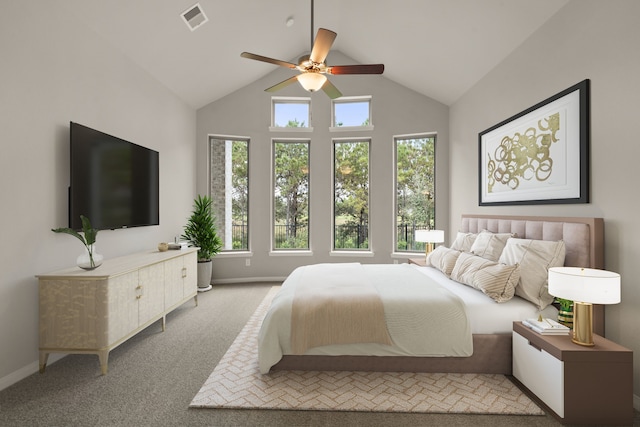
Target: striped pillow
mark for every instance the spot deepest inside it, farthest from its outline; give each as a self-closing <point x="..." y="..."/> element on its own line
<point x="443" y="258"/>
<point x="497" y="281"/>
<point x="490" y="245"/>
<point x="464" y="241"/>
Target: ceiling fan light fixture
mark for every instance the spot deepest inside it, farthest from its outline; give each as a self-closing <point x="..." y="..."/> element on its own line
<point x="312" y="81"/>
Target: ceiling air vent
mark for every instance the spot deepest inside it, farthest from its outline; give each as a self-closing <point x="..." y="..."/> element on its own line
<point x="194" y="17"/>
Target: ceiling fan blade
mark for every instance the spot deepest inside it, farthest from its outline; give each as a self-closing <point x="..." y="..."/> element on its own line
<point x="356" y="69"/>
<point x="331" y="90"/>
<point x="322" y="45"/>
<point x="266" y="59"/>
<point x="283" y="84"/>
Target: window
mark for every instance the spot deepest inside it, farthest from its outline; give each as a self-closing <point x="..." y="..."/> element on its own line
<point x="288" y="113"/>
<point x="290" y="195"/>
<point x="351" y="195"/>
<point x="229" y="188"/>
<point x="351" y="113"/>
<point x="414" y="198"/>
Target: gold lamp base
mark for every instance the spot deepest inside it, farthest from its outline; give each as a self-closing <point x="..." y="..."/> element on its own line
<point x="583" y="324"/>
<point x="428" y="248"/>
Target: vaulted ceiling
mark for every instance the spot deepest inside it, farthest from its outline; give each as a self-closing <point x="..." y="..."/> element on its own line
<point x="439" y="48"/>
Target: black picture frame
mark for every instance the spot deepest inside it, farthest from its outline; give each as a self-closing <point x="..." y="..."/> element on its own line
<point x="540" y="155"/>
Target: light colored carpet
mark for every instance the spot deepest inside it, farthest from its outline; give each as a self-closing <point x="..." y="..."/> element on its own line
<point x="236" y="383"/>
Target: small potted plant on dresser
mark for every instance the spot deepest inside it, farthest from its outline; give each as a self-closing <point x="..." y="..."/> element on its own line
<point x="565" y="312"/>
<point x="201" y="232"/>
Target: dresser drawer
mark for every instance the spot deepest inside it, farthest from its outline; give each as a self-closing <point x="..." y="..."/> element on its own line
<point x="540" y="372"/>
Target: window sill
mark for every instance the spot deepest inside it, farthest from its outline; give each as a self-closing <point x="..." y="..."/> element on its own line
<point x="301" y="252"/>
<point x="286" y="129"/>
<point x="350" y="128"/>
<point x="406" y="255"/>
<point x="234" y="254"/>
<point x="351" y="253"/>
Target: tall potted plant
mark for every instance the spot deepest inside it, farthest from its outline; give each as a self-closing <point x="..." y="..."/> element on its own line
<point x="201" y="232"/>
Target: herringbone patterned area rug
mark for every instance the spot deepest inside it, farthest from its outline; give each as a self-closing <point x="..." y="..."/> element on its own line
<point x="237" y="383"/>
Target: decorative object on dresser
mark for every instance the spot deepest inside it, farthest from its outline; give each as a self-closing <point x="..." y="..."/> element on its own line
<point x="201" y="232"/>
<point x="89" y="259"/>
<point x="93" y="312"/>
<point x="584" y="286"/>
<point x="578" y="384"/>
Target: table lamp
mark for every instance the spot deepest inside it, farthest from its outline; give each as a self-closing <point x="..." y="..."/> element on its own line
<point x="429" y="237"/>
<point x="585" y="287"/>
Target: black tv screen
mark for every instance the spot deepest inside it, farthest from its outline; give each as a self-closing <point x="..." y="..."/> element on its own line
<point x="114" y="182"/>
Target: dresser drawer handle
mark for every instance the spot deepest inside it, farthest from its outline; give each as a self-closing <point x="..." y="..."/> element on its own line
<point x="535" y="346"/>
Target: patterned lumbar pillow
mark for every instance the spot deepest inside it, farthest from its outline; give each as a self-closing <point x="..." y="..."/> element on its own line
<point x="494" y="279"/>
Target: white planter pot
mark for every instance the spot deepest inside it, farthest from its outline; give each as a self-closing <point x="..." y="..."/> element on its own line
<point x="204" y="275"/>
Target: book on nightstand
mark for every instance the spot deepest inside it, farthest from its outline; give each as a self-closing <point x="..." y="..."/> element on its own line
<point x="545" y="326"/>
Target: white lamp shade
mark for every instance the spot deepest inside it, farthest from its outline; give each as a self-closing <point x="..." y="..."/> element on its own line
<point x="431" y="236"/>
<point x="312" y="81"/>
<point x="585" y="285"/>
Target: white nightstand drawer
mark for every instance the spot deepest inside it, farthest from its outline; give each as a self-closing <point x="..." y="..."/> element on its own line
<point x="540" y="372"/>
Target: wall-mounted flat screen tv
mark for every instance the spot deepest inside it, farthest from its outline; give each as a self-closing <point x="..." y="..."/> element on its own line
<point x="114" y="183"/>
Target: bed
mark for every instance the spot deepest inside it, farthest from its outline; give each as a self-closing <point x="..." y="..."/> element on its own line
<point x="582" y="239"/>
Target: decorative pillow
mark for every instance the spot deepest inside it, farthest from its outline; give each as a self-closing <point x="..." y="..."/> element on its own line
<point x="489" y="245"/>
<point x="496" y="280"/>
<point x="463" y="241"/>
<point x="443" y="258"/>
<point x="535" y="258"/>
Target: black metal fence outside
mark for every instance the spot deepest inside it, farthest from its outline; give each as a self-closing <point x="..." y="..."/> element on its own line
<point x="347" y="236"/>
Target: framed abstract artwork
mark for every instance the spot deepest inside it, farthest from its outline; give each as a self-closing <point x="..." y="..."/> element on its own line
<point x="539" y="156"/>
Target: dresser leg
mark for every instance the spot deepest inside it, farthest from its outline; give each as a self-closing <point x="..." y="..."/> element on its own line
<point x="103" y="356"/>
<point x="44" y="356"/>
<point x="196" y="299"/>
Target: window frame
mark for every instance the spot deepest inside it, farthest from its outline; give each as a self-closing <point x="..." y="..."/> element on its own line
<point x="232" y="252"/>
<point x="289" y="251"/>
<point x="346" y="100"/>
<point x="425" y="135"/>
<point x="350" y="251"/>
<point x="290" y="100"/>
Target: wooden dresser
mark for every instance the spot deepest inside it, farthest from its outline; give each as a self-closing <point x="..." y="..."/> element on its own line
<point x="92" y="312"/>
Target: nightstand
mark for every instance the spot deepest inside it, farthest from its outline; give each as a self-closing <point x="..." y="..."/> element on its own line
<point x="422" y="261"/>
<point x="580" y="385"/>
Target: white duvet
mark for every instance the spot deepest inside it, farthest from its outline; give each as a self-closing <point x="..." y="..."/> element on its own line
<point x="417" y="311"/>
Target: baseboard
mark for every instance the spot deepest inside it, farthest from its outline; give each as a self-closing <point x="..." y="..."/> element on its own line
<point x="22" y="373"/>
<point x="247" y="280"/>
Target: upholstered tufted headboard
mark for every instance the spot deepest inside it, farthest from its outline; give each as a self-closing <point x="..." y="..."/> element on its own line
<point x="583" y="238"/>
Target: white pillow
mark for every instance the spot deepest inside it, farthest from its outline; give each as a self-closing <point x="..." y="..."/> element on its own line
<point x="443" y="258"/>
<point x="489" y="245"/>
<point x="463" y="241"/>
<point x="495" y="280"/>
<point x="535" y="258"/>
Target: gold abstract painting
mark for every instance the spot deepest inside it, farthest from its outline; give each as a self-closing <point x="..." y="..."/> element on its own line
<point x="538" y="156"/>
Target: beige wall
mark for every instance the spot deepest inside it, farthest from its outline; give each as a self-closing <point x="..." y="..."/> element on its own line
<point x="54" y="70"/>
<point x="591" y="39"/>
<point x="396" y="110"/>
